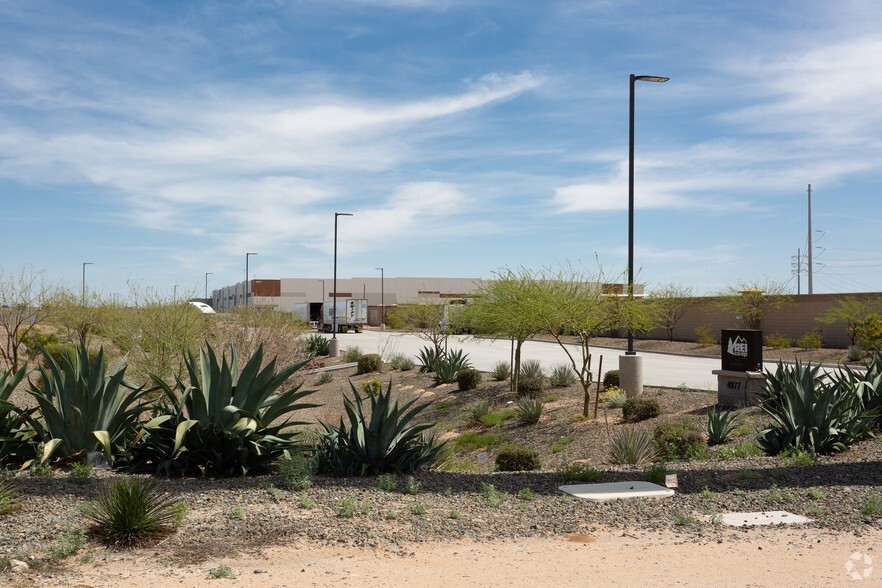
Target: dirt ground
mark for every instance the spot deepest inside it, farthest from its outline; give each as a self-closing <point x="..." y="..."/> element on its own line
<point x="759" y="557"/>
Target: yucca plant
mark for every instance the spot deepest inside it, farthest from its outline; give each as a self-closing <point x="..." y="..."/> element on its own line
<point x="501" y="370"/>
<point x="130" y="512"/>
<point x="384" y="442"/>
<point x="16" y="436"/>
<point x="478" y="411"/>
<point x="720" y="425"/>
<point x="225" y="421"/>
<point x="631" y="446"/>
<point x="83" y="407"/>
<point x="562" y="376"/>
<point x="529" y="409"/>
<point x="531" y="368"/>
<point x="811" y="412"/>
<point x="447" y="368"/>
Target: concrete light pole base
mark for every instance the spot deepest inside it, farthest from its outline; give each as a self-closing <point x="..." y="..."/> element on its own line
<point x="335" y="347"/>
<point x="631" y="374"/>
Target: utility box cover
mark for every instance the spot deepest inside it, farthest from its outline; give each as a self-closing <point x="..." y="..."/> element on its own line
<point x="742" y="350"/>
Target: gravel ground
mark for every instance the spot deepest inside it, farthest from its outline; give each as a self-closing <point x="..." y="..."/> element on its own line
<point x="232" y="515"/>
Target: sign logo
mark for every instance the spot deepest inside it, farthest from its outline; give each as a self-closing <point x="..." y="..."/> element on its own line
<point x="859" y="566"/>
<point x="737" y="346"/>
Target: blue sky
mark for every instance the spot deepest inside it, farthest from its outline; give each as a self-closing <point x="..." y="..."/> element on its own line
<point x="163" y="140"/>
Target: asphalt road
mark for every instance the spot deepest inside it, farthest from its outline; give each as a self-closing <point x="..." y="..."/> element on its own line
<point x="659" y="369"/>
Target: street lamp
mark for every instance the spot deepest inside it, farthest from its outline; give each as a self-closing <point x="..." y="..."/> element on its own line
<point x="631" y="197"/>
<point x="246" y="277"/>
<point x="382" y="299"/>
<point x="206" y="283"/>
<point x="85" y="263"/>
<point x="630" y="366"/>
<point x="335" y="345"/>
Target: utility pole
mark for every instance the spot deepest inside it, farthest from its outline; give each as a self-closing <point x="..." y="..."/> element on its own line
<point x="810" y="291"/>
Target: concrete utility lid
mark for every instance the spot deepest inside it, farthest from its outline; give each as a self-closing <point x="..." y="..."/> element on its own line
<point x="772" y="517"/>
<point x="617" y="491"/>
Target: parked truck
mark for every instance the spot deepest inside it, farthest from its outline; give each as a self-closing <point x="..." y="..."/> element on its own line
<point x="351" y="315"/>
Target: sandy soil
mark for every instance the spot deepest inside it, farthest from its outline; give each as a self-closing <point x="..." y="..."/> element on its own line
<point x="757" y="557"/>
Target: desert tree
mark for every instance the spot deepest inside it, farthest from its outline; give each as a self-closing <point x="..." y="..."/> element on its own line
<point x="506" y="306"/>
<point x="668" y="303"/>
<point x="572" y="304"/>
<point x="751" y="301"/>
<point x="423" y="318"/>
<point x="859" y="314"/>
<point x="26" y="301"/>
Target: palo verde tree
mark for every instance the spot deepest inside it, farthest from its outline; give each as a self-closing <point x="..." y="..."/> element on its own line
<point x="423" y="318"/>
<point x="572" y="304"/>
<point x="668" y="303"/>
<point x="751" y="301"/>
<point x="860" y="315"/>
<point x="506" y="306"/>
<point x="25" y="301"/>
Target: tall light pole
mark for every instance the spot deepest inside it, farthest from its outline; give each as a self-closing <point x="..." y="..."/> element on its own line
<point x="631" y="196"/>
<point x="206" y="283"/>
<point x="85" y="263"/>
<point x="382" y="299"/>
<point x="246" y="276"/>
<point x="335" y="345"/>
<point x="630" y="366"/>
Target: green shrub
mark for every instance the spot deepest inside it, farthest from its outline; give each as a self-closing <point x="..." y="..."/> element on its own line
<point x="739" y="451"/>
<point x="501" y="370"/>
<point x="493" y="418"/>
<point x="580" y="472"/>
<point x="611" y="378"/>
<point x="778" y="341"/>
<point x="562" y="444"/>
<point x="656" y="474"/>
<point x="223" y="421"/>
<point x="66" y="545"/>
<point x="130" y="512"/>
<point x="33" y="340"/>
<point x="325" y="378"/>
<point x="855" y="353"/>
<point x="372" y="387"/>
<point x="316" y="345"/>
<point x="562" y="376"/>
<point x="295" y="472"/>
<point x="472" y="441"/>
<point x="385" y="442"/>
<point x="704" y="336"/>
<point x="631" y="446"/>
<point x="369" y="363"/>
<point x="402" y="362"/>
<point x="529" y="409"/>
<point x="406" y="364"/>
<point x="720" y="425"/>
<point x="468" y="379"/>
<point x="494" y="497"/>
<point x="811" y="340"/>
<point x="615" y="397"/>
<point x="512" y="458"/>
<point x="529" y="386"/>
<point x="351" y="354"/>
<point x="638" y="409"/>
<point x="80" y="472"/>
<point x="386" y="482"/>
<point x="679" y="440"/>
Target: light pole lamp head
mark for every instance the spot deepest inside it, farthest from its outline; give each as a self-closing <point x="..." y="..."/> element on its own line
<point x="659" y="79"/>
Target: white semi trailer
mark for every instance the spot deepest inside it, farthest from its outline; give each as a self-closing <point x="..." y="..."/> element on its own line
<point x="351" y="315"/>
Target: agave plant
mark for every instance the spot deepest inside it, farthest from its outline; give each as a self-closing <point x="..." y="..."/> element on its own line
<point x="447" y="368"/>
<point x="317" y="345"/>
<point x="531" y="368"/>
<point x="867" y="384"/>
<point x="720" y="425"/>
<point x="84" y="407"/>
<point x="224" y="422"/>
<point x="384" y="442"/>
<point x="16" y="436"/>
<point x="811" y="412"/>
<point x="428" y="357"/>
